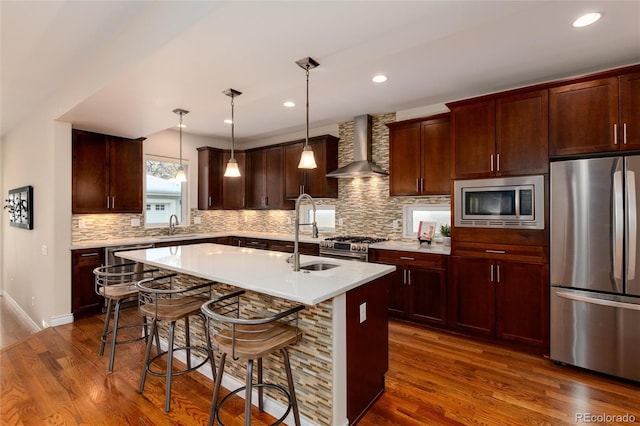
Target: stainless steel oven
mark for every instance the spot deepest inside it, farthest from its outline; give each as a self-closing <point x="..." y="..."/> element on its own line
<point x="348" y="247"/>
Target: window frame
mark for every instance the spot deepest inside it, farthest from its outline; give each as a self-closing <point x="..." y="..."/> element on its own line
<point x="407" y="217"/>
<point x="184" y="190"/>
<point x="305" y="212"/>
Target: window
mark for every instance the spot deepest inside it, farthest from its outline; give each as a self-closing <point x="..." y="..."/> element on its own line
<point x="413" y="214"/>
<point x="164" y="196"/>
<point x="325" y="217"/>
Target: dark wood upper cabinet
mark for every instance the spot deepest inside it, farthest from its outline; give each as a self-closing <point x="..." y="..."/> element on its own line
<point x="107" y="173"/>
<point x="265" y="179"/>
<point x="233" y="188"/>
<point x="311" y="181"/>
<point x="593" y="116"/>
<point x="582" y="117"/>
<point x="522" y="129"/>
<point x="501" y="136"/>
<point x="630" y="110"/>
<point x="210" y="172"/>
<point x="214" y="190"/>
<point x="419" y="161"/>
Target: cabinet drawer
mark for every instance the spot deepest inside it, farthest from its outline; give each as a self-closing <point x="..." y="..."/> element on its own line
<point x="408" y="258"/>
<point x="537" y="254"/>
<point x="88" y="255"/>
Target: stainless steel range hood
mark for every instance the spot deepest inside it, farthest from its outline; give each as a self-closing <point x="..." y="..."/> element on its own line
<point x="362" y="166"/>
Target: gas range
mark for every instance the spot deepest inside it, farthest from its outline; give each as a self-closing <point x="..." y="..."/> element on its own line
<point x="348" y="247"/>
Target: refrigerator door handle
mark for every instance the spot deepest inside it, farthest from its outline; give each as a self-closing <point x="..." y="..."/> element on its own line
<point x="596" y="301"/>
<point x="633" y="224"/>
<point x="618" y="217"/>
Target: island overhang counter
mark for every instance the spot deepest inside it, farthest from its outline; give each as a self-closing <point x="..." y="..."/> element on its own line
<point x="340" y="363"/>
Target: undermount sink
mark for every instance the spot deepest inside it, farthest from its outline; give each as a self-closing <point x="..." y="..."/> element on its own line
<point x="176" y="236"/>
<point x="318" y="267"/>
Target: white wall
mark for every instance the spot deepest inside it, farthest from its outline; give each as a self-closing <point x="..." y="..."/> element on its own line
<point x="39" y="283"/>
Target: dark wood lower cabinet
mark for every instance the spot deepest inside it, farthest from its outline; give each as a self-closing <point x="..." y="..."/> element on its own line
<point x="367" y="346"/>
<point x="418" y="286"/>
<point x="84" y="298"/>
<point x="506" y="299"/>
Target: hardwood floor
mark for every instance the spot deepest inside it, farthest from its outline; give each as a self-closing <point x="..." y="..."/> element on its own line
<point x="12" y="328"/>
<point x="55" y="377"/>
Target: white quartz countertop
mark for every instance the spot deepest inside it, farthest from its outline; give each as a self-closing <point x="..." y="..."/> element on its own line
<point x="110" y="242"/>
<point x="262" y="271"/>
<point x="435" y="248"/>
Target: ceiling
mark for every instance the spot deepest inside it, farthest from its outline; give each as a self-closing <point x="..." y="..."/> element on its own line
<point x="121" y="67"/>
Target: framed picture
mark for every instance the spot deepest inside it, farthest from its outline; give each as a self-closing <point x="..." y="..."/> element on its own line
<point x="426" y="230"/>
<point x="20" y="207"/>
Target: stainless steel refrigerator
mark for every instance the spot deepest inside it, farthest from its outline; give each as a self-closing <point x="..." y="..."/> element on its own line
<point x="595" y="264"/>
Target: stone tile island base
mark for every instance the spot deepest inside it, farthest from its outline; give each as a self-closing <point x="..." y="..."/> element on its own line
<point x="338" y="365"/>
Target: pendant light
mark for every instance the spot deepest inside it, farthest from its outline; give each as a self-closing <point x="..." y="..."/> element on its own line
<point x="307" y="160"/>
<point x="232" y="166"/>
<point x="181" y="176"/>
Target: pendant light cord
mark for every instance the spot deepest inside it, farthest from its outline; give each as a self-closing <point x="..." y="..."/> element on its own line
<point x="181" y="114"/>
<point x="307" y="140"/>
<point x="233" y="122"/>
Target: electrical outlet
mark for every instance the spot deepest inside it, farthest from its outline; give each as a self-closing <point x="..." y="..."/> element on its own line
<point x="363" y="312"/>
<point x="82" y="223"/>
<point x="33" y="301"/>
<point x="197" y="220"/>
<point x="135" y="222"/>
<point x="288" y="221"/>
<point x="341" y="222"/>
<point x="45" y="250"/>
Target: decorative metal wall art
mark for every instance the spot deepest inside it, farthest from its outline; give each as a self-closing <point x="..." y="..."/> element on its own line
<point x="20" y="207"/>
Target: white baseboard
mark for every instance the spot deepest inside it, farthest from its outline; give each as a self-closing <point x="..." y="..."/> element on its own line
<point x="271" y="406"/>
<point x="61" y="320"/>
<point x="13" y="305"/>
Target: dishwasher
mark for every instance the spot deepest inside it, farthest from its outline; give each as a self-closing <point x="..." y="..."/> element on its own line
<point x="112" y="260"/>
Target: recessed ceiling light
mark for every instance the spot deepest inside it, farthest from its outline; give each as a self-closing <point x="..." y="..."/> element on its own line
<point x="587" y="19"/>
<point x="289" y="104"/>
<point x="380" y="78"/>
<point x="228" y="121"/>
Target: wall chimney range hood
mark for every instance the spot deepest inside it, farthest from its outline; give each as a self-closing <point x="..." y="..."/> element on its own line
<point x="362" y="166"/>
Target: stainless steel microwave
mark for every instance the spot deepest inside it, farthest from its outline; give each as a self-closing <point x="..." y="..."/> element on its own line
<point x="509" y="202"/>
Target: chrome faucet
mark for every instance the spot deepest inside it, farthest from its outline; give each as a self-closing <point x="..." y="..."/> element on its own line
<point x="295" y="257"/>
<point x="173" y="224"/>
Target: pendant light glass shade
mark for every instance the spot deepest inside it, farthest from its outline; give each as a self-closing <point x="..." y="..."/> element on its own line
<point x="232" y="169"/>
<point x="307" y="159"/>
<point x="181" y="176"/>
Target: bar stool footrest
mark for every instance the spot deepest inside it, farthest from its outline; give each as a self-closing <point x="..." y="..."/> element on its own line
<point x="280" y="388"/>
<point x="104" y="339"/>
<point x="180" y="372"/>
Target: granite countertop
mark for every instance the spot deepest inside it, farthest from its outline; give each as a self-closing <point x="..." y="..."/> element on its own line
<point x="262" y="271"/>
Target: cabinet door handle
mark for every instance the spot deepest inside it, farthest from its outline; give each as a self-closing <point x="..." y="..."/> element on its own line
<point x="491" y="273"/>
<point x="404" y="276"/>
<point x="417" y="184"/>
<point x="497" y="273"/>
<point x="407" y="258"/>
<point x="89" y="254"/>
<point x="615" y="134"/>
<point x="113" y="202"/>
<point x="409" y="275"/>
<point x="209" y="200"/>
<point x="491" y="162"/>
<point x="498" y="162"/>
<point x="108" y="202"/>
<point x="624" y="133"/>
<point x="495" y="251"/>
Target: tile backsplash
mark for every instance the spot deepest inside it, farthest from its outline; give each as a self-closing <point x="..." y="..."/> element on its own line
<point x="364" y="204"/>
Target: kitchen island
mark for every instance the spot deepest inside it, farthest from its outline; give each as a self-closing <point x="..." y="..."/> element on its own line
<point x="340" y="362"/>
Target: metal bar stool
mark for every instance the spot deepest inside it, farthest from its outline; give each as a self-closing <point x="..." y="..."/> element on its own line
<point x="161" y="299"/>
<point x="117" y="284"/>
<point x="252" y="339"/>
